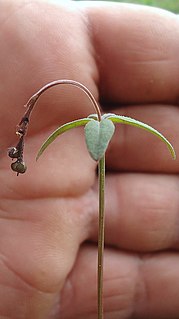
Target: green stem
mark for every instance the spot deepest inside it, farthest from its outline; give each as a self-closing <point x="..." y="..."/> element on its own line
<point x="101" y="168"/>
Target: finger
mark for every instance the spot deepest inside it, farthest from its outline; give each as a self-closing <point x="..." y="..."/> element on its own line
<point x="41" y="21"/>
<point x="142" y="212"/>
<point x="79" y="295"/>
<point x="38" y="247"/>
<point x="134" y="286"/>
<point x="136" y="52"/>
<point x="159" y="274"/>
<point x="64" y="170"/>
<point x="133" y="149"/>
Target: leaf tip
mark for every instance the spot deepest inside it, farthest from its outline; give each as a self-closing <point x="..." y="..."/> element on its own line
<point x="174" y="156"/>
<point x="39" y="153"/>
<point x="171" y="149"/>
<point x="37" y="157"/>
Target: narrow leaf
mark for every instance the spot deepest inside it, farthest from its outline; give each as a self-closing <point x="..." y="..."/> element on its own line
<point x="98" y="135"/>
<point x="60" y="130"/>
<point x="127" y="120"/>
<point x="93" y="116"/>
<point x="107" y="115"/>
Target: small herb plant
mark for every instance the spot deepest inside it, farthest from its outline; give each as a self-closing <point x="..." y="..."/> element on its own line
<point x="98" y="130"/>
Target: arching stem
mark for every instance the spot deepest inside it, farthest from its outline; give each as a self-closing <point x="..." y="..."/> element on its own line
<point x="23" y="125"/>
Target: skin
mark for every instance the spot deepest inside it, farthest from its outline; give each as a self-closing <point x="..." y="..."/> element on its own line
<point x="128" y="56"/>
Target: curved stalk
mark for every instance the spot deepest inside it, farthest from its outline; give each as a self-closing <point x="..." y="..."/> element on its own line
<point x="22" y="127"/>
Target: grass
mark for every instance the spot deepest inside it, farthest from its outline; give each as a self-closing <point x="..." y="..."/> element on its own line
<point x="171" y="5"/>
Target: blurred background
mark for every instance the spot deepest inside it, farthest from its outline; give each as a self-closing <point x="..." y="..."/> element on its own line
<point x="171" y="5"/>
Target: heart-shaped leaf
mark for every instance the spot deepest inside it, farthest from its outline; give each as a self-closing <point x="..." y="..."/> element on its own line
<point x="98" y="135"/>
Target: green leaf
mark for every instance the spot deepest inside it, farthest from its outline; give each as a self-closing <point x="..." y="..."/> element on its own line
<point x="107" y="115"/>
<point x="93" y="116"/>
<point x="98" y="135"/>
<point x="127" y="120"/>
<point x="60" y="130"/>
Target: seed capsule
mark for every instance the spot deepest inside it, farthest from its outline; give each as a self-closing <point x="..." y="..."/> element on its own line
<point x="19" y="167"/>
<point x="13" y="152"/>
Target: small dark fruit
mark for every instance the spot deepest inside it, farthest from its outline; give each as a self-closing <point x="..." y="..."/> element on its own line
<point x="19" y="167"/>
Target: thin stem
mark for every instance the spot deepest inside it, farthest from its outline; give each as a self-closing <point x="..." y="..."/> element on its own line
<point x="22" y="128"/>
<point x="101" y="168"/>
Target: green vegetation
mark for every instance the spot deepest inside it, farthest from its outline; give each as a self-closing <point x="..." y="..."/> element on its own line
<point x="171" y="5"/>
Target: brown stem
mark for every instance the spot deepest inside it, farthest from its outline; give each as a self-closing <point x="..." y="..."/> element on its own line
<point x="17" y="152"/>
<point x="23" y="125"/>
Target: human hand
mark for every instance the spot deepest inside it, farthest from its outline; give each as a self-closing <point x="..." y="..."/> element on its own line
<point x="128" y="57"/>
